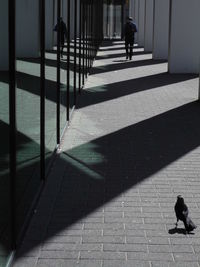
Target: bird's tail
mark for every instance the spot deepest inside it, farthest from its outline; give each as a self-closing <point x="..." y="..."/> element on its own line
<point x="189" y="225"/>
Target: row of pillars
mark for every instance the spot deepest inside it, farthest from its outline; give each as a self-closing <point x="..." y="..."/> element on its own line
<point x="28" y="28"/>
<point x="170" y="30"/>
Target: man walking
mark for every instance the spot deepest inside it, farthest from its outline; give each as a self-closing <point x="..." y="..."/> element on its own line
<point x="129" y="34"/>
<point x="63" y="33"/>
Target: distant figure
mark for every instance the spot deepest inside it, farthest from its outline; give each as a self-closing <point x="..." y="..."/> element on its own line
<point x="129" y="33"/>
<point x="63" y="33"/>
<point x="182" y="211"/>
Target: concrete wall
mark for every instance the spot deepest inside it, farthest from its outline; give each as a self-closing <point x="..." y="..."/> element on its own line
<point x="184" y="52"/>
<point x="141" y="22"/>
<point x="4" y="35"/>
<point x="161" y="29"/>
<point x="148" y="29"/>
<point x="27" y="28"/>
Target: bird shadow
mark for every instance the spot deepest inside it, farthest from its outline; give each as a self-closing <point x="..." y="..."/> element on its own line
<point x="176" y="230"/>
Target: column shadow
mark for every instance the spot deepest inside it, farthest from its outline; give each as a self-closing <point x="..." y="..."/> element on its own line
<point x="99" y="171"/>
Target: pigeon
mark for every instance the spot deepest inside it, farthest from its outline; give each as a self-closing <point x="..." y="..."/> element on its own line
<point x="182" y="212"/>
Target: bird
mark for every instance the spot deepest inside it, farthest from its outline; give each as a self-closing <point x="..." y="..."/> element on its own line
<point x="182" y="212"/>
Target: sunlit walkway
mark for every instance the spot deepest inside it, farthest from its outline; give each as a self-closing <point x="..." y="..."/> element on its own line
<point x="132" y="146"/>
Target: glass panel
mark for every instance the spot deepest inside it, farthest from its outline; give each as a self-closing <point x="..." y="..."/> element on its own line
<point x="63" y="86"/>
<point x="112" y="20"/>
<point x="27" y="106"/>
<point x="51" y="78"/>
<point x="4" y="140"/>
<point x="71" y="82"/>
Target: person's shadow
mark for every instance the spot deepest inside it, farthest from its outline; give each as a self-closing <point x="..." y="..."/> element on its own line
<point x="121" y="60"/>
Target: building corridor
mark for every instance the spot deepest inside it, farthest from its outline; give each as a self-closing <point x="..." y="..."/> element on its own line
<point x="131" y="147"/>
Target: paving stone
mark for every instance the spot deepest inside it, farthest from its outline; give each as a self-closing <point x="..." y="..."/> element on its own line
<point x="129" y="263"/>
<point x="104" y="239"/>
<point x="25" y="262"/>
<point x="58" y="254"/>
<point x="150" y="256"/>
<point x="170" y="264"/>
<point x="68" y="263"/>
<point x="184" y="257"/>
<point x="103" y="255"/>
<point x="125" y="247"/>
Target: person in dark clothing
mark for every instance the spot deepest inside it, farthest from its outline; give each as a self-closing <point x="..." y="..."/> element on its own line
<point x="63" y="33"/>
<point x="129" y="34"/>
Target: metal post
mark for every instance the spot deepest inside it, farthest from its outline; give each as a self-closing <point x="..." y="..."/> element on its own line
<point x="80" y="40"/>
<point x="58" y="72"/>
<point x="42" y="90"/>
<point x="12" y="118"/>
<point x="86" y="39"/>
<point x="92" y="34"/>
<point x="75" y="51"/>
<point x="122" y="20"/>
<point x="68" y="56"/>
<point x="169" y="34"/>
<point x="83" y="23"/>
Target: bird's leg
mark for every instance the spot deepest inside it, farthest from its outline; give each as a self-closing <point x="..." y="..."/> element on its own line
<point x="177" y="223"/>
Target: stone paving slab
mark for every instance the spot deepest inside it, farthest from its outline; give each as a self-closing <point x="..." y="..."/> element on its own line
<point x="132" y="146"/>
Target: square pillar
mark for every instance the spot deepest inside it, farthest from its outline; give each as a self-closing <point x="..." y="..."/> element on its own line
<point x="199" y="85"/>
<point x="131" y="8"/>
<point x="141" y="22"/>
<point x="136" y="17"/>
<point x="161" y="29"/>
<point x="27" y="28"/>
<point x="184" y="52"/>
<point x="4" y="35"/>
<point x="148" y="29"/>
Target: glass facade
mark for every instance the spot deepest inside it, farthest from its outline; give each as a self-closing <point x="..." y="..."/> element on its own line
<point x="43" y="68"/>
<point x="113" y="18"/>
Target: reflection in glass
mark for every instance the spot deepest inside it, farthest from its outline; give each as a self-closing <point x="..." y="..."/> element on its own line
<point x="112" y="17"/>
<point x="50" y="78"/>
<point x="5" y="221"/>
<point x="27" y="107"/>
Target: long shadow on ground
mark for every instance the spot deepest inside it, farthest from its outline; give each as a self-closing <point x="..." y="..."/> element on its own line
<point x="125" y="65"/>
<point x="99" y="94"/>
<point x="122" y="54"/>
<point x="99" y="171"/>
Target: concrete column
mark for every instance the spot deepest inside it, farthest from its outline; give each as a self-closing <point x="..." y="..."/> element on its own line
<point x="49" y="24"/>
<point x="78" y="18"/>
<point x="131" y="8"/>
<point x="161" y="29"/>
<point x="184" y="52"/>
<point x="72" y="20"/>
<point x="148" y="27"/>
<point x="4" y="35"/>
<point x="64" y="11"/>
<point x="199" y="85"/>
<point x="141" y="22"/>
<point x="27" y="28"/>
<point x="136" y="17"/>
